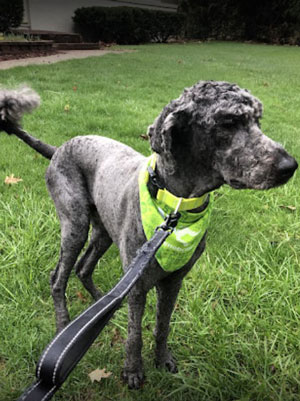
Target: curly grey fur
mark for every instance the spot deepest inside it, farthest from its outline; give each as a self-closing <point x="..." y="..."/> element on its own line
<point x="207" y="137"/>
<point x="214" y="127"/>
<point x="14" y="103"/>
<point x="204" y="106"/>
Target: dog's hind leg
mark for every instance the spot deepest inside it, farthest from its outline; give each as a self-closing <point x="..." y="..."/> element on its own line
<point x="73" y="238"/>
<point x="73" y="208"/>
<point x="98" y="245"/>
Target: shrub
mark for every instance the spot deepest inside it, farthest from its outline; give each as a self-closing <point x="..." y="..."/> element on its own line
<point x="162" y="25"/>
<point x="126" y="25"/>
<point x="275" y="21"/>
<point x="11" y="14"/>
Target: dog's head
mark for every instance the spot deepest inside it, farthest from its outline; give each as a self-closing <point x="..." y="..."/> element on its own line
<point x="213" y="130"/>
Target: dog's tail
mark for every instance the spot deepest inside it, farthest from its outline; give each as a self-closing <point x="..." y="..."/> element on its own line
<point x="13" y="104"/>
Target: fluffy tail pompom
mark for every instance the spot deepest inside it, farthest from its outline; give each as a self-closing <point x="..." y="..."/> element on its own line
<point x="14" y="103"/>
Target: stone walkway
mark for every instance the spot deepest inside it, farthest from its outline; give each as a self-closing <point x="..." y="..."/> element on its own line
<point x="65" y="55"/>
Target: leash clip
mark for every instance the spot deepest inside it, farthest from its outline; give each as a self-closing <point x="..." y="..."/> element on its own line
<point x="171" y="220"/>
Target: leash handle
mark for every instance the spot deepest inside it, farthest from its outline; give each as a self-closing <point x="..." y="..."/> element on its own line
<point x="68" y="347"/>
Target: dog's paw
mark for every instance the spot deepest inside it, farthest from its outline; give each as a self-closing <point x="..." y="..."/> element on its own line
<point x="135" y="380"/>
<point x="167" y="362"/>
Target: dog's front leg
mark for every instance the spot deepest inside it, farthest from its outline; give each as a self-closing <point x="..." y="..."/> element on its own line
<point x="167" y="291"/>
<point x="133" y="372"/>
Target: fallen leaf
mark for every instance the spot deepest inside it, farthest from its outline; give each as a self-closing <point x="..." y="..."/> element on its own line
<point x="75" y="88"/>
<point x="81" y="296"/>
<point x="99" y="374"/>
<point x="12" y="180"/>
<point x="145" y="137"/>
<point x="67" y="107"/>
<point x="291" y="208"/>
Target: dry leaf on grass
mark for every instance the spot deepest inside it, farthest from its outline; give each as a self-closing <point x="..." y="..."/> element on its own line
<point x="80" y="295"/>
<point x="10" y="180"/>
<point x="290" y="208"/>
<point x="99" y="374"/>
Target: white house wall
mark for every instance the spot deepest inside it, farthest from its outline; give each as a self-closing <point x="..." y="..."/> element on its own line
<point x="56" y="15"/>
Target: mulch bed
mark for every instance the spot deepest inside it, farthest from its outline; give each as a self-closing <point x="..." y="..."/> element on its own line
<point x="16" y="55"/>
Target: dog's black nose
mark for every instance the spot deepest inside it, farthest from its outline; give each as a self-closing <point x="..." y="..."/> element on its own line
<point x="287" y="166"/>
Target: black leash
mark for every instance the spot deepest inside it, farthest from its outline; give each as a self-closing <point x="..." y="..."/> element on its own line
<point x="69" y="346"/>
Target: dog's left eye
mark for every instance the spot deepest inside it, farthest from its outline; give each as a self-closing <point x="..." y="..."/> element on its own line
<point x="229" y="123"/>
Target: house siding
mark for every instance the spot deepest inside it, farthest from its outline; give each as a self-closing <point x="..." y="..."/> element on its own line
<point x="56" y="15"/>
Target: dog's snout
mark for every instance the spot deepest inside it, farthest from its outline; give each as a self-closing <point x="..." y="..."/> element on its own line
<point x="287" y="166"/>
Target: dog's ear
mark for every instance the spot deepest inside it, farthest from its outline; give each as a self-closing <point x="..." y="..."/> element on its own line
<point x="169" y="132"/>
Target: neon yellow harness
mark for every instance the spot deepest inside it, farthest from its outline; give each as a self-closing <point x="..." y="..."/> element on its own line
<point x="182" y="243"/>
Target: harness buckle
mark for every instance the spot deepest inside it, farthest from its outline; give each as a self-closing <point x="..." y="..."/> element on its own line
<point x="170" y="222"/>
<point x="154" y="183"/>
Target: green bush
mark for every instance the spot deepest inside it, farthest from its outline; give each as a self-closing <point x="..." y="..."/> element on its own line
<point x="275" y="21"/>
<point x="126" y="25"/>
<point x="11" y="14"/>
<point x="161" y="25"/>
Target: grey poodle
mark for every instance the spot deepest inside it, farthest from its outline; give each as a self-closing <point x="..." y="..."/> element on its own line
<point x="208" y="137"/>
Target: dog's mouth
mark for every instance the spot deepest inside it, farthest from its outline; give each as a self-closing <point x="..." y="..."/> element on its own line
<point x="236" y="184"/>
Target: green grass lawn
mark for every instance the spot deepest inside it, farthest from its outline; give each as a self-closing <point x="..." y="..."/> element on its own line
<point x="236" y="329"/>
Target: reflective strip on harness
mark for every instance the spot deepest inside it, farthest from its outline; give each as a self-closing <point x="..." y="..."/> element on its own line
<point x="166" y="197"/>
